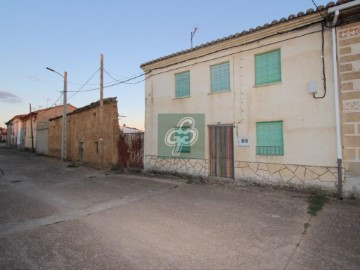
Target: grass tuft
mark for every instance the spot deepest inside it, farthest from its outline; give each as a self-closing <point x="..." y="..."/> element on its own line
<point x="72" y="165"/>
<point x="316" y="203"/>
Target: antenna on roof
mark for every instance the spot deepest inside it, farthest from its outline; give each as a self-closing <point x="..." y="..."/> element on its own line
<point x="192" y="35"/>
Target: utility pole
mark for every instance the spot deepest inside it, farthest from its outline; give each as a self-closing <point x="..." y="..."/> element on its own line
<point x="101" y="109"/>
<point x="31" y="131"/>
<point x="64" y="118"/>
<point x="64" y="124"/>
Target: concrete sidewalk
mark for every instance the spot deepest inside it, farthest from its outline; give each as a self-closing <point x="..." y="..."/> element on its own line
<point x="56" y="217"/>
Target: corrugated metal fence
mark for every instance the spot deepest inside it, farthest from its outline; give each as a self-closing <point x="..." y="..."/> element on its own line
<point x="131" y="150"/>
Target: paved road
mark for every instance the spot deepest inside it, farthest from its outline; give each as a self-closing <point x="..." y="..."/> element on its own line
<point x="56" y="217"/>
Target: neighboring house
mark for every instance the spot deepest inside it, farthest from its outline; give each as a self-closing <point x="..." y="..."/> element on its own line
<point x="29" y="131"/>
<point x="126" y="130"/>
<point x="15" y="132"/>
<point x="260" y="105"/>
<point x="84" y="136"/>
<point x="2" y="134"/>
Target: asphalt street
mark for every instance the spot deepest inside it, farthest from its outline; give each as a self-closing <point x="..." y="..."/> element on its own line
<point x="53" y="216"/>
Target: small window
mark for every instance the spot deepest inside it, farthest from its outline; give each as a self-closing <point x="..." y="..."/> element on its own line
<point x="182" y="135"/>
<point x="182" y="84"/>
<point x="269" y="138"/>
<point x="97" y="147"/>
<point x="268" y="68"/>
<point x="220" y="77"/>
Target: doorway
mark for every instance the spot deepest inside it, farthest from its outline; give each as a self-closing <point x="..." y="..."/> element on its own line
<point x="221" y="151"/>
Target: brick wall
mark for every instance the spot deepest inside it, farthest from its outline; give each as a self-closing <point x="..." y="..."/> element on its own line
<point x="349" y="68"/>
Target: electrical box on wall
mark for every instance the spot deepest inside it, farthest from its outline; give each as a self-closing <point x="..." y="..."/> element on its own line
<point x="243" y="142"/>
<point x="313" y="87"/>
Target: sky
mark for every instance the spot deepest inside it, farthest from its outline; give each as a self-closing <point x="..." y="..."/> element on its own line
<point x="70" y="35"/>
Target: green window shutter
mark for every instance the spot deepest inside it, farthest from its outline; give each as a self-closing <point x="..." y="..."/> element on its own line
<point x="269" y="138"/>
<point x="268" y="68"/>
<point x="182" y="84"/>
<point x="182" y="135"/>
<point x="220" y="77"/>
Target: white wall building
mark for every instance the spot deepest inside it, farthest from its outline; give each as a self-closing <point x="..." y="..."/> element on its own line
<point x="268" y="115"/>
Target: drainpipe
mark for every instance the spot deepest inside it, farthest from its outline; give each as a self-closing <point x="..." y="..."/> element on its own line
<point x="337" y="10"/>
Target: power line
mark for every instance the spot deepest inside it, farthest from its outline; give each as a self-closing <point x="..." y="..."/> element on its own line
<point x="112" y="77"/>
<point x="317" y="9"/>
<point x="117" y="83"/>
<point x="136" y="82"/>
<point x="127" y="81"/>
<point x="77" y="91"/>
<point x="56" y="100"/>
<point x="232" y="53"/>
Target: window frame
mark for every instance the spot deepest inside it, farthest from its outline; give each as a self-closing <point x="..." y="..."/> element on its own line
<point x="272" y="147"/>
<point x="263" y="82"/>
<point x="187" y="148"/>
<point x="176" y="84"/>
<point x="228" y="89"/>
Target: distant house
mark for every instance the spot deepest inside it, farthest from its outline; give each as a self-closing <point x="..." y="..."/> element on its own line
<point x="29" y="131"/>
<point x="84" y="141"/>
<point x="2" y="134"/>
<point x="126" y="130"/>
<point x="15" y="132"/>
<point x="36" y="124"/>
<point x="261" y="105"/>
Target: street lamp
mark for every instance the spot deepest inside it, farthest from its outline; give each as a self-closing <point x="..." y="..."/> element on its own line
<point x="64" y="124"/>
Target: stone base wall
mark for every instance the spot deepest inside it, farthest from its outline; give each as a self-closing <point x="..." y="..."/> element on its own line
<point x="284" y="175"/>
<point x="294" y="176"/>
<point x="196" y="167"/>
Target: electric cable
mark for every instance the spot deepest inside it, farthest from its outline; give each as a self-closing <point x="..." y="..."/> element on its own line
<point x="237" y="52"/>
<point x="77" y="91"/>
<point x="117" y="83"/>
<point x="112" y="77"/>
<point x="56" y="100"/>
<point x="317" y="9"/>
<point x="323" y="62"/>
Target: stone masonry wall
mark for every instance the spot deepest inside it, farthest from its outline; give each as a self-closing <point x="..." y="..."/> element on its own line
<point x="83" y="133"/>
<point x="296" y="176"/>
<point x="349" y="68"/>
<point x="196" y="167"/>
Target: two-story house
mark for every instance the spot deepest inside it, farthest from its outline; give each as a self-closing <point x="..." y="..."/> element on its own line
<point x="259" y="106"/>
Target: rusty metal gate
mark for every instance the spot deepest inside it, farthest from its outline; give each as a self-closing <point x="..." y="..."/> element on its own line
<point x="131" y="150"/>
<point x="221" y="151"/>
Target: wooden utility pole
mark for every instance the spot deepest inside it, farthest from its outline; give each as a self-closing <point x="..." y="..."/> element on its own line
<point x="31" y="131"/>
<point x="101" y="109"/>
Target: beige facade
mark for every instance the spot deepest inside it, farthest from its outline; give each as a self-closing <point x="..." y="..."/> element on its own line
<point x="36" y="121"/>
<point x="309" y="126"/>
<point x="14" y="137"/>
<point x="83" y="135"/>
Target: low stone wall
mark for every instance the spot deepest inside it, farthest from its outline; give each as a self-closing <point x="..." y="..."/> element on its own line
<point x="298" y="176"/>
<point x="196" y="167"/>
<point x="284" y="175"/>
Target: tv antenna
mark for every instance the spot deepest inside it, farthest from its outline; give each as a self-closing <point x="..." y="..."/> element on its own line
<point x="192" y="35"/>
